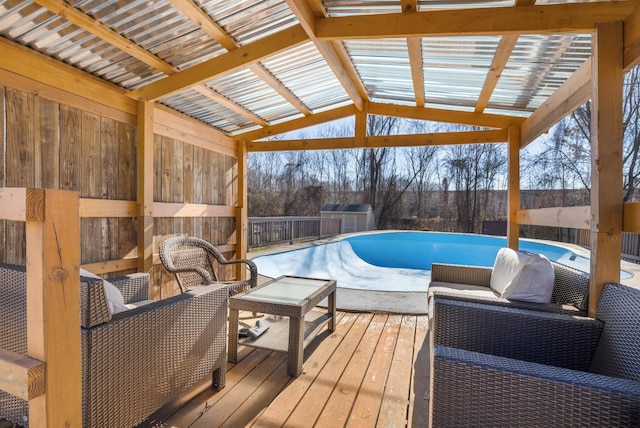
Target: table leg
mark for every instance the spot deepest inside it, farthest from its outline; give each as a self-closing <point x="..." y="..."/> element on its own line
<point x="331" y="307"/>
<point x="232" y="344"/>
<point x="296" y="348"/>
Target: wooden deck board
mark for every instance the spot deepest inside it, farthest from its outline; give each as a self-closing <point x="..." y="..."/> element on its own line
<point x="371" y="371"/>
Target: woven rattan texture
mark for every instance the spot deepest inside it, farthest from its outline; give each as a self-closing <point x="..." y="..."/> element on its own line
<point x="542" y="337"/>
<point x="512" y="367"/>
<point x="461" y="274"/>
<point x="193" y="261"/>
<point x="570" y="287"/>
<point x="138" y="360"/>
<point x="618" y="352"/>
<point x="480" y="390"/>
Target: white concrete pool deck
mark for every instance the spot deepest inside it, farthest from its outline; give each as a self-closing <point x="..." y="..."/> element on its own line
<point x="351" y="294"/>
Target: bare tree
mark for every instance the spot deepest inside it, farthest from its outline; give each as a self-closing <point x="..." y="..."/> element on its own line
<point x="473" y="172"/>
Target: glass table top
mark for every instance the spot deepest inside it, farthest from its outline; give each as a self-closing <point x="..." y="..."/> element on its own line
<point x="286" y="290"/>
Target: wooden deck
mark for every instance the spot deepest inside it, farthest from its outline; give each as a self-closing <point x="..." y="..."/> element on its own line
<point x="372" y="371"/>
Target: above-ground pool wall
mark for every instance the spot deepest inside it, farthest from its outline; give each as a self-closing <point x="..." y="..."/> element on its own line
<point x="64" y="129"/>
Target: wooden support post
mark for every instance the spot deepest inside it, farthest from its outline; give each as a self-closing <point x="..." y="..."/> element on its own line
<point x="53" y="305"/>
<point x="606" y="159"/>
<point x="242" y="219"/>
<point x="360" y="130"/>
<point x="513" y="191"/>
<point x="145" y="185"/>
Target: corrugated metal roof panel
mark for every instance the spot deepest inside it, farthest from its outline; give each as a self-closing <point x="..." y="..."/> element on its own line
<point x="249" y="20"/>
<point x="296" y="69"/>
<point x="202" y="108"/>
<point x="455" y="68"/>
<point x="537" y="67"/>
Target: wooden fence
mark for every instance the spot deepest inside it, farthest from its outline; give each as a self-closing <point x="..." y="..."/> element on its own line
<point x="630" y="243"/>
<point x="276" y="230"/>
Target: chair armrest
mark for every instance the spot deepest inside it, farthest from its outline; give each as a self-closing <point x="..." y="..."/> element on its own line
<point x="461" y="274"/>
<point x="253" y="269"/>
<point x="541" y="337"/>
<point x="134" y="287"/>
<point x="145" y="357"/>
<point x="470" y="389"/>
<point x="94" y="308"/>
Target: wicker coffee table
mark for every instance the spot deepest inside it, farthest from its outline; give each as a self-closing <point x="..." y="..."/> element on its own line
<point x="286" y="296"/>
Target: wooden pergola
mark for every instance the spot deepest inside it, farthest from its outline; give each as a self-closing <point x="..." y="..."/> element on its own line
<point x="147" y="112"/>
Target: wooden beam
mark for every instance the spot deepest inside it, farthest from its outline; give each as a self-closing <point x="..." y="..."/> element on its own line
<point x="295" y="124"/>
<point x="606" y="159"/>
<point x="173" y="124"/>
<point x="439" y="139"/>
<point x="445" y="116"/>
<point x="493" y="21"/>
<point x="53" y="307"/>
<point x="631" y="217"/>
<point x="500" y="59"/>
<point x="513" y="189"/>
<point x="29" y="63"/>
<point x="334" y="54"/>
<point x="209" y="26"/>
<point x="573" y="217"/>
<point x="107" y="208"/>
<point x="503" y="52"/>
<point x="435" y="139"/>
<point x="360" y="138"/>
<point x="13" y="204"/>
<point x="111" y="266"/>
<point x="632" y="40"/>
<point x="222" y="64"/>
<point x="242" y="210"/>
<point x="177" y="210"/>
<point x="21" y="376"/>
<point x="414" y="47"/>
<point x="144" y="185"/>
<point x="84" y="21"/>
<point x="574" y="92"/>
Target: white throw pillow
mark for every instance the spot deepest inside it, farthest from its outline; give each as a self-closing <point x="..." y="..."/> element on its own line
<point x="114" y="296"/>
<point x="534" y="282"/>
<point x="507" y="265"/>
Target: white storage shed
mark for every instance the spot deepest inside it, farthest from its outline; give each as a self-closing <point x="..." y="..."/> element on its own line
<point x="355" y="217"/>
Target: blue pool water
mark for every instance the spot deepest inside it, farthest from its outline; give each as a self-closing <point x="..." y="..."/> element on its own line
<point x="400" y="261"/>
<point x="418" y="250"/>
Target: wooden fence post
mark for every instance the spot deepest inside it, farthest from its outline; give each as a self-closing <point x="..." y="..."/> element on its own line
<point x="53" y="304"/>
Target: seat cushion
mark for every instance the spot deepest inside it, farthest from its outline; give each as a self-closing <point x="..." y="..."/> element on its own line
<point x="462" y="290"/>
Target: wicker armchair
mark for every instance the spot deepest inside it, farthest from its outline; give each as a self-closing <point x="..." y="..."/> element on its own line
<point x="570" y="288"/>
<point x="501" y="366"/>
<point x="135" y="361"/>
<point x="193" y="261"/>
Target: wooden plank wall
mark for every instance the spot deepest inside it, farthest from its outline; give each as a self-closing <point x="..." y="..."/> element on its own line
<point x="185" y="173"/>
<point x="56" y="146"/>
<point x="52" y="144"/>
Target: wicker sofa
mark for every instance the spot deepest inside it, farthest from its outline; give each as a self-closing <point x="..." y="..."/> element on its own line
<point x="134" y="361"/>
<point x="570" y="288"/>
<point x="495" y="366"/>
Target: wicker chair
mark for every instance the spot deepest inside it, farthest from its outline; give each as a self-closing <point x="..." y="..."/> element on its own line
<point x="471" y="283"/>
<point x="193" y="261"/>
<point x="135" y="361"/>
<point x="499" y="366"/>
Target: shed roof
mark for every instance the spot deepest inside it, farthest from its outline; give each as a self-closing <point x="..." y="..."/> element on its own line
<point x="244" y="66"/>
<point x="349" y="208"/>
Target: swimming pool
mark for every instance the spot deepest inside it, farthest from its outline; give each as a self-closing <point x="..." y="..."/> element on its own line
<point x="400" y="261"/>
